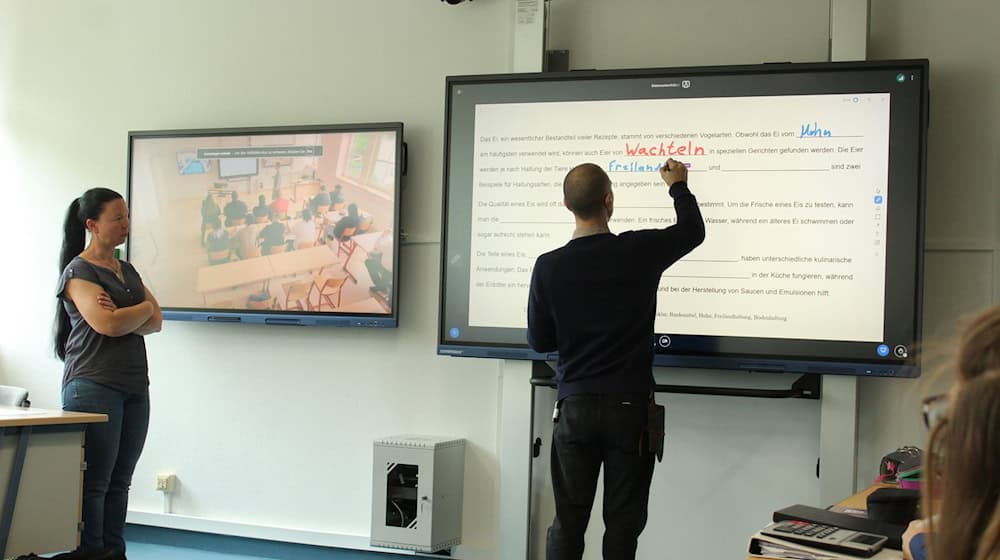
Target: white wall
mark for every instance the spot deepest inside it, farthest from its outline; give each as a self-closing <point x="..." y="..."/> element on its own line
<point x="657" y="33"/>
<point x="962" y="260"/>
<point x="267" y="426"/>
<point x="273" y="427"/>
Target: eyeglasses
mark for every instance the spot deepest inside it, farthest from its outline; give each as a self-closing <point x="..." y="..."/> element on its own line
<point x="935" y="409"/>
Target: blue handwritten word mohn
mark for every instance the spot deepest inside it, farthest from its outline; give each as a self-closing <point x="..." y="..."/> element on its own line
<point x="813" y="130"/>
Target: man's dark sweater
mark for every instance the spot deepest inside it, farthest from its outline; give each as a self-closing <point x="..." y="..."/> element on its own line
<point x="594" y="300"/>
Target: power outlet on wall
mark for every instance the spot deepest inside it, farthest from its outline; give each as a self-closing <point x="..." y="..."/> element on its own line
<point x="165" y="482"/>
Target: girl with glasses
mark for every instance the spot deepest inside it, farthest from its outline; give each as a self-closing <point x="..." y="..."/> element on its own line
<point x="962" y="490"/>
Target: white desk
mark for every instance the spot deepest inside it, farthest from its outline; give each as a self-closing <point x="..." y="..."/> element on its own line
<point x="41" y="477"/>
<point x="302" y="260"/>
<point x="367" y="305"/>
<point x="263" y="269"/>
<point x="367" y="243"/>
<point x="237" y="273"/>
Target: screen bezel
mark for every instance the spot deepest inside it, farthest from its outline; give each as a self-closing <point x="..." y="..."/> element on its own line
<point x="285" y="317"/>
<point x="709" y="359"/>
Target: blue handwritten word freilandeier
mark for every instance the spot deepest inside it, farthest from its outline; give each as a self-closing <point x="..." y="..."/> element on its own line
<point x="615" y="166"/>
<point x="812" y="130"/>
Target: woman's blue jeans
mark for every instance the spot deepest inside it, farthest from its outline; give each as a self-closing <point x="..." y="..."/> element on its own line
<point x="111" y="451"/>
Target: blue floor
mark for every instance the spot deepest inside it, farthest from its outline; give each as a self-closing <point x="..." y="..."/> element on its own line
<point x="154" y="543"/>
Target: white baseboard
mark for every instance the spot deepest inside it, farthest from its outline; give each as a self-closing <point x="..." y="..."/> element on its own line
<point x="284" y="534"/>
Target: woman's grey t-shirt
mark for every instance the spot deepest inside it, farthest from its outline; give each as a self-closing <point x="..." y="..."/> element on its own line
<point x="118" y="362"/>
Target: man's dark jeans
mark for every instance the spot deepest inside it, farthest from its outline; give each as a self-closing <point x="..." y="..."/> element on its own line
<point x="594" y="430"/>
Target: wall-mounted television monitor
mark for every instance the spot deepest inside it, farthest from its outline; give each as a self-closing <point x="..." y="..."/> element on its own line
<point x="810" y="178"/>
<point x="238" y="168"/>
<point x="300" y="226"/>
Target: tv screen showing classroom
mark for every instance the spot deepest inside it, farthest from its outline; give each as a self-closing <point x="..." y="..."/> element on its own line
<point x="279" y="225"/>
<point x="810" y="178"/>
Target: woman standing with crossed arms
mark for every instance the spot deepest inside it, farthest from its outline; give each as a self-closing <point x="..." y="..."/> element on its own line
<point x="104" y="310"/>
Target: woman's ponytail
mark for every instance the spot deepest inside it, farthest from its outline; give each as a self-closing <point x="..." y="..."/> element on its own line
<point x="87" y="207"/>
<point x="74" y="235"/>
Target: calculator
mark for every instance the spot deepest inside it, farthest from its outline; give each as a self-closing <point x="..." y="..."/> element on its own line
<point x="827" y="537"/>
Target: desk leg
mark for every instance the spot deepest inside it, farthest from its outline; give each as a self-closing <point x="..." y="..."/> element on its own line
<point x="12" y="484"/>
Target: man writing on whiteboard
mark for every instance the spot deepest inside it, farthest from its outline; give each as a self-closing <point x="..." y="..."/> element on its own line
<point x="594" y="300"/>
